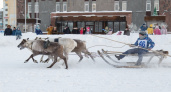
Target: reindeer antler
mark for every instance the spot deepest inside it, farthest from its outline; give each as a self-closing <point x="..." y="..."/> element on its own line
<point x="36" y="38"/>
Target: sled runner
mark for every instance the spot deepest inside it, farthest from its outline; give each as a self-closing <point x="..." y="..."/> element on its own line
<point x="158" y="53"/>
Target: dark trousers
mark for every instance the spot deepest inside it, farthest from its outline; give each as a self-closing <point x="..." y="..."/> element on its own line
<point x="138" y="51"/>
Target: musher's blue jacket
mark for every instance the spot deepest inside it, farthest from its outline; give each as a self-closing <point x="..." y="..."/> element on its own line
<point x="150" y="43"/>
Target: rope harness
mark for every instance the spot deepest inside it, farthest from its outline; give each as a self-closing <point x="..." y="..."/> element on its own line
<point x="135" y="46"/>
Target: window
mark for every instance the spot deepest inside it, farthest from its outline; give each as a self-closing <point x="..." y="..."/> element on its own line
<point x="6" y="19"/>
<point x="148" y="5"/>
<point x="86" y="6"/>
<point x="65" y="7"/>
<point x="116" y="6"/>
<point x="6" y="14"/>
<point x="94" y="6"/>
<point x="124" y="5"/>
<point x="6" y="9"/>
<point x="57" y="6"/>
<point x="29" y="7"/>
<point x="6" y="4"/>
<point x="156" y="5"/>
<point x="36" y="7"/>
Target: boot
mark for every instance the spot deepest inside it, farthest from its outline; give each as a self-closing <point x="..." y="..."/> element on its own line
<point x="118" y="57"/>
<point x="138" y="64"/>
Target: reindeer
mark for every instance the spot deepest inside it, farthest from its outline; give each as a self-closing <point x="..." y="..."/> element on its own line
<point x="37" y="47"/>
<point x="80" y="48"/>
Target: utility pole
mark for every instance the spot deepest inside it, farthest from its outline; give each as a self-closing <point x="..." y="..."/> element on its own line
<point x="25" y="16"/>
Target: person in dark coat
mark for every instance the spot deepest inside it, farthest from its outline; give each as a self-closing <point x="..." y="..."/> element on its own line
<point x="8" y="31"/>
<point x="13" y="31"/>
<point x="54" y="31"/>
<point x="84" y="30"/>
<point x="126" y="31"/>
<point x="75" y="30"/>
<point x="66" y="30"/>
<point x="143" y="27"/>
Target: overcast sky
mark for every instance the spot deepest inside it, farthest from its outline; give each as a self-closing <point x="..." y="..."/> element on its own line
<point x="1" y="4"/>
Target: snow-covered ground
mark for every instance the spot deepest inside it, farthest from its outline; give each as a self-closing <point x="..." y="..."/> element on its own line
<point x="17" y="76"/>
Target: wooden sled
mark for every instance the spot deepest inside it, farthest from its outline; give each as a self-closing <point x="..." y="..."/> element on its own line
<point x="158" y="53"/>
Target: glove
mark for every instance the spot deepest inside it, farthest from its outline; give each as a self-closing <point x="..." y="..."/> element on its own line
<point x="131" y="45"/>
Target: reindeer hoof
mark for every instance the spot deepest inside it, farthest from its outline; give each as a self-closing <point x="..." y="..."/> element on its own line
<point x="26" y="61"/>
<point x="49" y="67"/>
<point x="35" y="61"/>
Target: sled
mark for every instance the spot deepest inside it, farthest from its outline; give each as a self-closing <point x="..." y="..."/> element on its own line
<point x="158" y="53"/>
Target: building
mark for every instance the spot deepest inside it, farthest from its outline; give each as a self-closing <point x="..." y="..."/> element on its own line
<point x="9" y="13"/>
<point x="32" y="15"/>
<point x="100" y="13"/>
<point x="1" y="19"/>
<point x="165" y="9"/>
<point x="97" y="14"/>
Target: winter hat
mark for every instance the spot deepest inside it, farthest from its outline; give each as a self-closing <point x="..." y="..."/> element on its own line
<point x="142" y="33"/>
<point x="18" y="28"/>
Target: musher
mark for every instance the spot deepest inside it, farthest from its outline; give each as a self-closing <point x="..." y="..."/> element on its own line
<point x="144" y="44"/>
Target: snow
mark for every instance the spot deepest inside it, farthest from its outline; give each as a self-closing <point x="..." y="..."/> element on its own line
<point x="17" y="76"/>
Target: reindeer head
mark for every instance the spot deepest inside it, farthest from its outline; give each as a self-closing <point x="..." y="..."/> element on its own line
<point x="22" y="45"/>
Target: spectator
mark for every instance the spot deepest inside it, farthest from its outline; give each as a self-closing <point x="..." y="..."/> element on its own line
<point x="54" y="31"/>
<point x="8" y="31"/>
<point x="110" y="32"/>
<point x="38" y="31"/>
<point x="75" y="30"/>
<point x="150" y="29"/>
<point x="158" y="26"/>
<point x="157" y="31"/>
<point x="49" y="29"/>
<point x="14" y="30"/>
<point x="127" y="31"/>
<point x="18" y="34"/>
<point x="81" y="30"/>
<point x="143" y="27"/>
<point x="66" y="30"/>
<point x="84" y="30"/>
<point x="119" y="33"/>
<point x="163" y="30"/>
<point x="106" y="30"/>
<point x="88" y="30"/>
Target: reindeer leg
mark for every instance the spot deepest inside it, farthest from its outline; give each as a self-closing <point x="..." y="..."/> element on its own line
<point x="65" y="61"/>
<point x="66" y="56"/>
<point x="55" y="60"/>
<point x="29" y="58"/>
<point x="41" y="59"/>
<point x="88" y="53"/>
<point x="47" y="60"/>
<point x="79" y="54"/>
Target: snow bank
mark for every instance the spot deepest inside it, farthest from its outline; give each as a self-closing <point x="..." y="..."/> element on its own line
<point x="16" y="76"/>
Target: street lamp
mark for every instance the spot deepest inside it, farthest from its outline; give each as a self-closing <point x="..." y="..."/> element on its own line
<point x="25" y="16"/>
